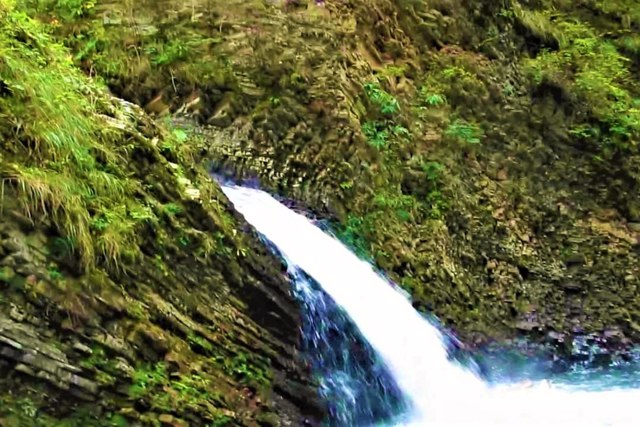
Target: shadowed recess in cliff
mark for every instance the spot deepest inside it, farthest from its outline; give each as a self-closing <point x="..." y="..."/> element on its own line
<point x="415" y="351"/>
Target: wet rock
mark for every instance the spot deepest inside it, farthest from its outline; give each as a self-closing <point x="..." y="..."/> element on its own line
<point x="22" y="368"/>
<point x="12" y="245"/>
<point x="123" y="367"/>
<point x="115" y="344"/>
<point x="83" y="349"/>
<point x="170" y="420"/>
<point x="152" y="341"/>
<point x="527" y="325"/>
<point x="16" y="314"/>
<point x="84" y="384"/>
<point x="157" y="106"/>
<point x="556" y="336"/>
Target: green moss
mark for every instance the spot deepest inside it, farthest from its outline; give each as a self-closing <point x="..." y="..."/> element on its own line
<point x="146" y="56"/>
<point x="353" y="232"/>
<point x="6" y="274"/>
<point x="200" y="344"/>
<point x="433" y="211"/>
<point x="28" y="411"/>
<point x="245" y="369"/>
<point x="593" y="69"/>
<point x="172" y="209"/>
<point x="166" y="392"/>
<point x="54" y="273"/>
<point x="434" y="198"/>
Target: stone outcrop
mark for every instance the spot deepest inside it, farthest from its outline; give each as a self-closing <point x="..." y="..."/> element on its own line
<point x="22" y="345"/>
<point x="227" y="329"/>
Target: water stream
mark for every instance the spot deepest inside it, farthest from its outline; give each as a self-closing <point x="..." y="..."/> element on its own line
<point x="382" y="363"/>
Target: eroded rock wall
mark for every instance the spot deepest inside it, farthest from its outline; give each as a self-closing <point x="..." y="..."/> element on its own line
<point x="485" y="154"/>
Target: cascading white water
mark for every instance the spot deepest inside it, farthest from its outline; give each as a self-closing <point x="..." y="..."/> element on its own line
<point x="442" y="392"/>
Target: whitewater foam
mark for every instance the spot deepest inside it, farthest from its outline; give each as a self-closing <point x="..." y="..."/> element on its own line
<point x="442" y="392"/>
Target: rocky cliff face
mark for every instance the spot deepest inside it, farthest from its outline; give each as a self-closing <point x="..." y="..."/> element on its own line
<point x="484" y="155"/>
<point x="131" y="294"/>
<point x="175" y="340"/>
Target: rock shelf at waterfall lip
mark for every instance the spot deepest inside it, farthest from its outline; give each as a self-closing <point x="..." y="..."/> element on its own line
<point x="228" y="178"/>
<point x="435" y="385"/>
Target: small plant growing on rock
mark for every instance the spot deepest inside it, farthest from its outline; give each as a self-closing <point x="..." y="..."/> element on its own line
<point x="431" y="98"/>
<point x="384" y="100"/>
<point x="435" y="199"/>
<point x="54" y="273"/>
<point x="70" y="10"/>
<point x="464" y="131"/>
<point x="172" y="209"/>
<point x="377" y="134"/>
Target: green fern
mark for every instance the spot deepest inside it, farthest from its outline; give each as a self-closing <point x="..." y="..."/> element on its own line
<point x="464" y="131"/>
<point x="386" y="103"/>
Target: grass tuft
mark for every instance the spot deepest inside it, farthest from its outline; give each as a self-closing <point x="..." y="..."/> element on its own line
<point x="63" y="151"/>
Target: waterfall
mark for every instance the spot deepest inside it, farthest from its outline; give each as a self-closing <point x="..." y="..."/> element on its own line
<point x="355" y="383"/>
<point x="432" y="390"/>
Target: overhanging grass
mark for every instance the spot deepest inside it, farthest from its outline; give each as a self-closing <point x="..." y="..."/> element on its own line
<point x="63" y="156"/>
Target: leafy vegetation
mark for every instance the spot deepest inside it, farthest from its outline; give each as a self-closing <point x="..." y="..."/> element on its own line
<point x="54" y="273"/>
<point x="143" y="55"/>
<point x="593" y="69"/>
<point x="26" y="411"/>
<point x="385" y="102"/>
<point x="380" y="134"/>
<point x="434" y="199"/>
<point x="244" y="370"/>
<point x="432" y="99"/>
<point x="383" y="129"/>
<point x="152" y="383"/>
<point x="72" y="157"/>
